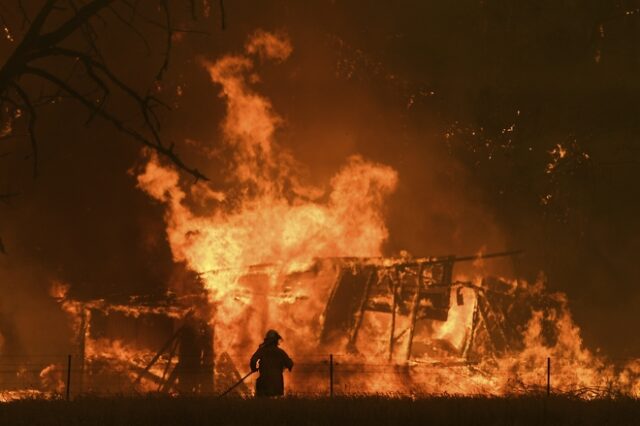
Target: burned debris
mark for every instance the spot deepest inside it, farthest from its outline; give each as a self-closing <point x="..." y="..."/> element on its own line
<point x="411" y="291"/>
<point x="161" y="345"/>
<point x="167" y="345"/>
<point x="392" y="324"/>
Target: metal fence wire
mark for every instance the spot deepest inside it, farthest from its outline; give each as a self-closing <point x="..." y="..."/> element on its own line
<point x="63" y="376"/>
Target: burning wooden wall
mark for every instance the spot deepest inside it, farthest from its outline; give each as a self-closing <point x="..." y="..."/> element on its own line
<point x="396" y="325"/>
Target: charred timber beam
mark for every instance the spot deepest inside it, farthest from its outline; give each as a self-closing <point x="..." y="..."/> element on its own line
<point x="414" y="311"/>
<point x="85" y="314"/>
<point x="164" y="348"/>
<point x="447" y="273"/>
<point x="332" y="296"/>
<point x="468" y="346"/>
<point x="207" y="384"/>
<point x="172" y="353"/>
<point x="379" y="307"/>
<point x="146" y="374"/>
<point x="492" y="324"/>
<point x="378" y="261"/>
<point x="395" y="284"/>
<point x="363" y="306"/>
<point x="170" y="382"/>
<point x="382" y="261"/>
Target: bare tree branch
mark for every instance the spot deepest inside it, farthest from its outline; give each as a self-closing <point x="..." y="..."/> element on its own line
<point x="165" y="64"/>
<point x="117" y="123"/>
<point x="32" y="124"/>
<point x="39" y="44"/>
<point x="129" y="24"/>
<point x="146" y="19"/>
<point x="65" y="30"/>
<point x="222" y="16"/>
<point x="25" y="16"/>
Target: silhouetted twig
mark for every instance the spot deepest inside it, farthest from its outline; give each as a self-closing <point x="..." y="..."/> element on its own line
<point x="40" y="43"/>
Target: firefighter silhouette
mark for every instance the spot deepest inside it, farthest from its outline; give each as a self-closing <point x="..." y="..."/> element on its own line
<point x="270" y="360"/>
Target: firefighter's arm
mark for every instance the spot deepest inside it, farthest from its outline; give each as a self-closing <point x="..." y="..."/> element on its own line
<point x="253" y="364"/>
<point x="288" y="362"/>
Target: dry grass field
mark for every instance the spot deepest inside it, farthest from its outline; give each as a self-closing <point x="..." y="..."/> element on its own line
<point x="370" y="411"/>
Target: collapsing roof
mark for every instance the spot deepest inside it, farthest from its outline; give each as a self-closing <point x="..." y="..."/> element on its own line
<point x="424" y="317"/>
<point x="411" y="291"/>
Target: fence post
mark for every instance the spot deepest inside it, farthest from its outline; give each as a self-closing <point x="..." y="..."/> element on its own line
<point x="331" y="375"/>
<point x="68" y="376"/>
<point x="548" y="376"/>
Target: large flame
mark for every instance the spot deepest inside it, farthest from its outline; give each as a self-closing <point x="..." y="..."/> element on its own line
<point x="269" y="216"/>
<point x="264" y="245"/>
<point x="254" y="242"/>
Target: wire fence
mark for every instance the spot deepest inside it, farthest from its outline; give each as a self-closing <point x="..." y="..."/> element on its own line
<point x="65" y="376"/>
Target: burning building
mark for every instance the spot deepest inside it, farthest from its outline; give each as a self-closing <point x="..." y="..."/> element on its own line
<point x="271" y="250"/>
<point x="394" y="325"/>
<point x="121" y="346"/>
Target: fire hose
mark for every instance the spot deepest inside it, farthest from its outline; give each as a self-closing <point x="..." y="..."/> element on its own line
<point x="238" y="383"/>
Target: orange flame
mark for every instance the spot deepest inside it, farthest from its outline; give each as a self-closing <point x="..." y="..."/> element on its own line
<point x="275" y="219"/>
<point x="255" y="247"/>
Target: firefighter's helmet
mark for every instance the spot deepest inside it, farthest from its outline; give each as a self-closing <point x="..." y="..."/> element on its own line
<point x="272" y="335"/>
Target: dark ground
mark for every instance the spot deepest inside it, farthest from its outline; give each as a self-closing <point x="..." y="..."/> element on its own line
<point x="368" y="411"/>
